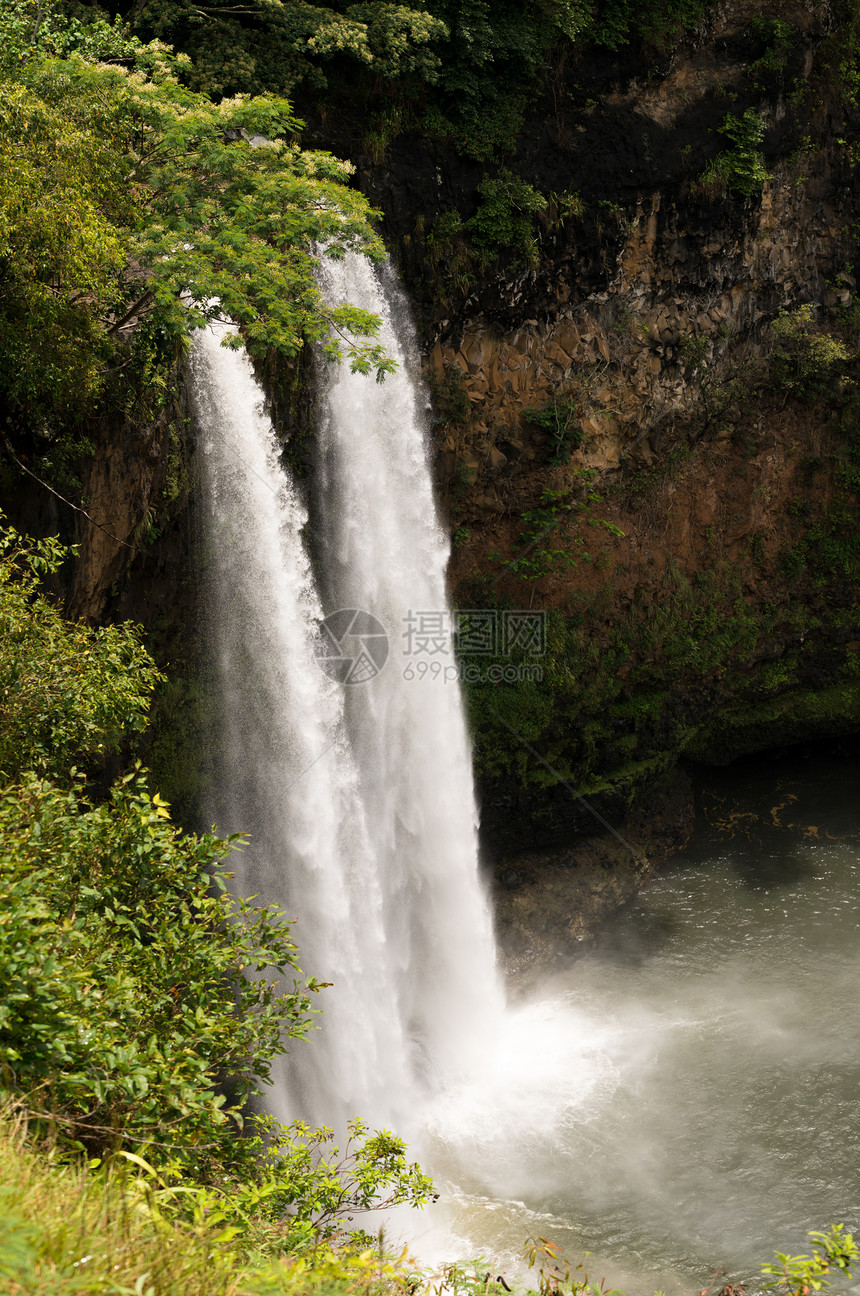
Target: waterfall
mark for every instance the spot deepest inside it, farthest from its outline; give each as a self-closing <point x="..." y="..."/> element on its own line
<point x="349" y="767"/>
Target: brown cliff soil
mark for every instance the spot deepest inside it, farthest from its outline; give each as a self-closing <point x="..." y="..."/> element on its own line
<point x="725" y="496"/>
<point x="622" y="353"/>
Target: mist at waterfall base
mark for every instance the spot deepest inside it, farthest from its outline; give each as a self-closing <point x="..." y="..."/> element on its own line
<point x="685" y="1096"/>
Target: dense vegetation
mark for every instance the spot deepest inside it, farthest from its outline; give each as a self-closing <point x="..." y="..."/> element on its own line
<point x="153" y="178"/>
<point x="134" y="209"/>
<point x="619" y="698"/>
<point x="141" y="1005"/>
<point x="459" y="68"/>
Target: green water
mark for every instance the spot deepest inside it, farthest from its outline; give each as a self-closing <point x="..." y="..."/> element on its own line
<point x="686" y="1098"/>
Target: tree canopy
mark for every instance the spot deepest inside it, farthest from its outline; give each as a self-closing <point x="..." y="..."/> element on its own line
<point x="134" y="208"/>
<point x="273" y="45"/>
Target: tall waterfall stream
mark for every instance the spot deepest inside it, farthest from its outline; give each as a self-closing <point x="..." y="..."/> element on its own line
<point x="358" y="796"/>
<point x="684" y="1097"/>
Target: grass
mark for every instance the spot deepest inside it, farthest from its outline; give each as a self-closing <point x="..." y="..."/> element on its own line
<point x="71" y="1228"/>
<point x="85" y="1229"/>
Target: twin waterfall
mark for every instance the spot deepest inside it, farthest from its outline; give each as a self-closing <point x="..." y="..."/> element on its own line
<point x="680" y="1102"/>
<point x="357" y="795"/>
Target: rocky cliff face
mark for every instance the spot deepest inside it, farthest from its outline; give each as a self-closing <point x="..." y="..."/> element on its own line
<point x="624" y="357"/>
<point x="123" y="482"/>
<point x="700" y="573"/>
<point x="645" y="278"/>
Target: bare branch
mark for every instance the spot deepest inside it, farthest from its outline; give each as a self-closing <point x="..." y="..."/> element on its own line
<point x="60" y="497"/>
<point x="134" y="309"/>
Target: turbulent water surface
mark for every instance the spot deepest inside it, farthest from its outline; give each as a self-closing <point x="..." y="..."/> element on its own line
<point x="686" y="1097"/>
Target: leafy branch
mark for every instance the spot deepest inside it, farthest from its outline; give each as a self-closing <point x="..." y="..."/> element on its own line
<point x="801" y="1274"/>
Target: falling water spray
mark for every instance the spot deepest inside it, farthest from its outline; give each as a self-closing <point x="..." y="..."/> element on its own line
<point x="354" y="784"/>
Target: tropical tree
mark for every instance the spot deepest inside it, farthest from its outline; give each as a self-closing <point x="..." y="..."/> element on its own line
<point x="134" y="209"/>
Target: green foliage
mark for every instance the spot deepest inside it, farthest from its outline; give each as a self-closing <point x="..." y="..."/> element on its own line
<point x="447" y="226"/>
<point x="547" y="543"/>
<point x="67" y="692"/>
<point x="127" y="197"/>
<point x="28" y="31"/>
<point x="120" y="958"/>
<point x="492" y="65"/>
<point x="844" y="51"/>
<point x="382" y="129"/>
<point x="540" y="549"/>
<point x="506" y="212"/>
<point x="69" y="1229"/>
<point x="619" y="22"/>
<point x="741" y="168"/>
<point x="474" y="64"/>
<point x="778" y="38"/>
<point x="830" y="545"/>
<point x="693" y="350"/>
<point x="457" y="262"/>
<point x="560" y="418"/>
<point x="802" y="360"/>
<point x="555" y="1275"/>
<point x="499" y="54"/>
<point x="456" y="1278"/>
<point x="271" y="47"/>
<point x="307" y="1191"/>
<point x="563" y="207"/>
<point x="449" y="397"/>
<point x="621" y="687"/>
<point x="800" y="1274"/>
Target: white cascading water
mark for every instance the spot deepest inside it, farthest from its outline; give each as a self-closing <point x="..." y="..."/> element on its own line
<point x="685" y="1101"/>
<point x="387" y="554"/>
<point x="358" y="797"/>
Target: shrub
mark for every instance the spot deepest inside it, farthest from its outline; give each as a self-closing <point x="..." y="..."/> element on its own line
<point x="74" y="1230"/>
<point x="450" y="398"/>
<point x="740" y="168"/>
<point x="778" y="38"/>
<point x="505" y="215"/>
<point x="67" y="692"/>
<point x="798" y="1275"/>
<point x="133" y="985"/>
<point x="560" y="419"/>
<point x="802" y="360"/>
<point x="693" y="349"/>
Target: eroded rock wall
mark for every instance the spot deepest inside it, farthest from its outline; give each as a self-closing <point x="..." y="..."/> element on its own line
<point x="725" y="619"/>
